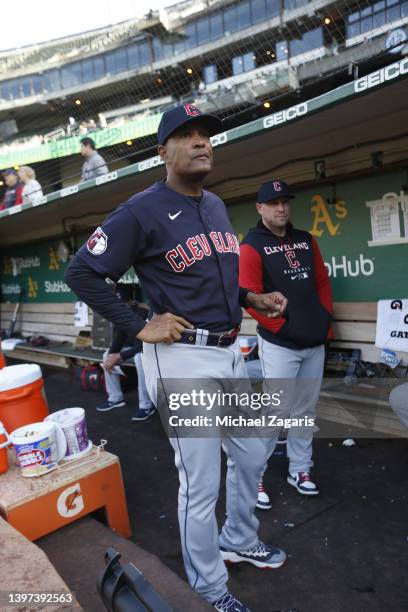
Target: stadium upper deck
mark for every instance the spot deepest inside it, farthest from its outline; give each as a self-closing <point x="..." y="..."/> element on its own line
<point x="230" y="57"/>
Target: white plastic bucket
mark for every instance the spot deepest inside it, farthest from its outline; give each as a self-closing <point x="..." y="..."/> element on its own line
<point x="73" y="424"/>
<point x="38" y="448"/>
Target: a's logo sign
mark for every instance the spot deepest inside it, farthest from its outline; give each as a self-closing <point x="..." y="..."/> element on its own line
<point x="191" y="110"/>
<point x="53" y="263"/>
<point x="277" y="186"/>
<point x="396" y="305"/>
<point x="70" y="502"/>
<point x="291" y="257"/>
<point x="321" y="216"/>
<point x="98" y="242"/>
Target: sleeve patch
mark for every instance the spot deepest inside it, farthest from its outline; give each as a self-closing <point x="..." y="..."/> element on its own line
<point x="98" y="242"/>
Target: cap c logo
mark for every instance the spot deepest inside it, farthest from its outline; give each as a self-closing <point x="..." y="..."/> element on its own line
<point x="191" y="110"/>
<point x="277" y="186"/>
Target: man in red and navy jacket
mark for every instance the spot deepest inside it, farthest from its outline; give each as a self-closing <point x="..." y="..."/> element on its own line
<point x="277" y="257"/>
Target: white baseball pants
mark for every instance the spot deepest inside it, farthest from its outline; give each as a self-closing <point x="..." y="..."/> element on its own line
<point x="283" y="363"/>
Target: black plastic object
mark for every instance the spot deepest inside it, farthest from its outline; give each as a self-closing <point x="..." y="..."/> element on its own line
<point x="125" y="589"/>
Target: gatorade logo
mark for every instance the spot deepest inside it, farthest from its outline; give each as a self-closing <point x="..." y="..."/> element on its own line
<point x="70" y="502"/>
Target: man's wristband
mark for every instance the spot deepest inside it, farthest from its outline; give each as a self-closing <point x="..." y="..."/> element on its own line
<point x="243" y="292"/>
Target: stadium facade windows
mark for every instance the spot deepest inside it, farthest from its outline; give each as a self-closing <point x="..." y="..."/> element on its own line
<point x="258" y="9"/>
<point x="243" y="63"/>
<point x="99" y="67"/>
<point x="203" y="31"/>
<point x="281" y="50"/>
<point x="52" y="80"/>
<point x="88" y="70"/>
<point x="210" y="74"/>
<point x="191" y="35"/>
<point x="216" y="26"/>
<point x="230" y="21"/>
<point x="375" y="16"/>
<point x="110" y="62"/>
<point x="157" y="50"/>
<point x="289" y="5"/>
<point x="71" y="75"/>
<point x="199" y="31"/>
<point x="310" y="40"/>
<point x="26" y="86"/>
<point x="145" y="54"/>
<point x="272" y="7"/>
<point x="15" y="89"/>
<point x="37" y="84"/>
<point x="121" y="60"/>
<point x="5" y="91"/>
<point x="243" y="15"/>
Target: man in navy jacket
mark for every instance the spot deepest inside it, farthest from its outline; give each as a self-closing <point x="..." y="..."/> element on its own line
<point x="277" y="257"/>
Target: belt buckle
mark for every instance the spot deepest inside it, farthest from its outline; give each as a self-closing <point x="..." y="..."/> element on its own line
<point x="222" y="337"/>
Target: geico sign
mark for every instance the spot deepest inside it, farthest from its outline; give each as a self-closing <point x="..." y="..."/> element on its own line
<point x="219" y="139"/>
<point x="285" y="115"/>
<point x="105" y="178"/>
<point x="69" y="191"/>
<point x="381" y="76"/>
<point x="150" y="163"/>
<point x="42" y="200"/>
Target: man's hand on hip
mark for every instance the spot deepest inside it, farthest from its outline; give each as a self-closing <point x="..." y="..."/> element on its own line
<point x="166" y="328"/>
<point x="273" y="304"/>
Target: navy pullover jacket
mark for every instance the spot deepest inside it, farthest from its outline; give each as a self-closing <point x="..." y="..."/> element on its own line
<point x="294" y="266"/>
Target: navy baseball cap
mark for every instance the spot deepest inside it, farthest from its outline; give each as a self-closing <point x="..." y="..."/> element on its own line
<point x="273" y="190"/>
<point x="178" y="116"/>
<point x="9" y="171"/>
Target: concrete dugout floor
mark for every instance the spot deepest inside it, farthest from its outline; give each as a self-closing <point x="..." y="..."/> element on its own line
<point x="348" y="548"/>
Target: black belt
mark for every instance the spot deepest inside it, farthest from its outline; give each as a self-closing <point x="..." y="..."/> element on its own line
<point x="202" y="337"/>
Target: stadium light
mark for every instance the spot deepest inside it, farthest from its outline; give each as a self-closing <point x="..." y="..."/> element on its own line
<point x="1" y="183"/>
<point x="327" y="21"/>
<point x="267" y="105"/>
<point x="159" y="81"/>
<point x="16" y="167"/>
<point x="78" y="102"/>
<point x="189" y="71"/>
<point x="129" y="143"/>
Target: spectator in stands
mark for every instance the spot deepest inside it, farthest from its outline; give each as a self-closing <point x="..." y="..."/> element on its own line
<point x="32" y="191"/>
<point x="14" y="192"/>
<point x="94" y="164"/>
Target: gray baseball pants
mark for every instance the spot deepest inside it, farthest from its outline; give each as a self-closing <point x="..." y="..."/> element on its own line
<point x="307" y="364"/>
<point x="114" y="390"/>
<point x="198" y="461"/>
<point x="399" y="402"/>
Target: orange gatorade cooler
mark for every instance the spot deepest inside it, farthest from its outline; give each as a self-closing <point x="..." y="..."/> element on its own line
<point x="4" y="442"/>
<point x="22" y="397"/>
